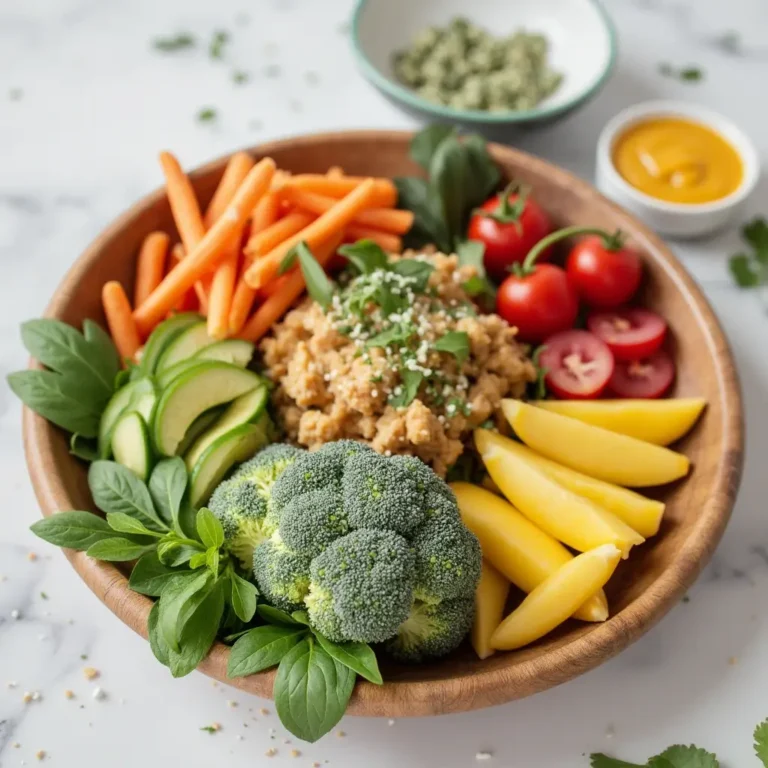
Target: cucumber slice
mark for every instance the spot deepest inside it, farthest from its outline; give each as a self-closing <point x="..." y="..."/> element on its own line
<point x="190" y="341"/>
<point x="137" y="395"/>
<point x="235" y="351"/>
<point x="201" y="424"/>
<point x="231" y="448"/>
<point x="131" y="444"/>
<point x="166" y="377"/>
<point x="246" y="409"/>
<point x="162" y="336"/>
<point x="204" y="386"/>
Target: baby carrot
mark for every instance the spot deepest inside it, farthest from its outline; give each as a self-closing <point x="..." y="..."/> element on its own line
<point x="331" y="223"/>
<point x="237" y="169"/>
<point x="211" y="249"/>
<point x="390" y="243"/>
<point x="150" y="265"/>
<point x="279" y="231"/>
<point x="117" y="309"/>
<point x="383" y="195"/>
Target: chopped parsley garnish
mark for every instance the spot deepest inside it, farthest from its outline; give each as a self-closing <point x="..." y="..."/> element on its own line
<point x="207" y="115"/>
<point x="685" y="74"/>
<point x="239" y="77"/>
<point x="750" y="269"/>
<point x="218" y="41"/>
<point x="174" y="43"/>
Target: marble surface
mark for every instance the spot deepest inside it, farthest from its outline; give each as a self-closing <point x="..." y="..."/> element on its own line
<point x="85" y="104"/>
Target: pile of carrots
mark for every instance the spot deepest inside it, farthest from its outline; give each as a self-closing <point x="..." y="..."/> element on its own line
<point x="226" y="265"/>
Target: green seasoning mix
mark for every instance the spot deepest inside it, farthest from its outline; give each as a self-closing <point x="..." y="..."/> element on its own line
<point x="465" y="67"/>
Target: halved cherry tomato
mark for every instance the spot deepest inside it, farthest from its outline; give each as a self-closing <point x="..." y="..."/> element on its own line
<point x="509" y="225"/>
<point x="646" y="379"/>
<point x="630" y="333"/>
<point x="578" y="365"/>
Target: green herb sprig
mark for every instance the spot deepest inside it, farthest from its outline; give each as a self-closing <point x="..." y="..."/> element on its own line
<point x="691" y="74"/>
<point x="174" y="43"/>
<point x="750" y="269"/>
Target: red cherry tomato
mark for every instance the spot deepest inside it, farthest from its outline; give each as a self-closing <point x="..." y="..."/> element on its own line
<point x="630" y="333"/>
<point x="647" y="379"/>
<point x="514" y="225"/>
<point x="578" y="365"/>
<point x="603" y="277"/>
<point x="540" y="303"/>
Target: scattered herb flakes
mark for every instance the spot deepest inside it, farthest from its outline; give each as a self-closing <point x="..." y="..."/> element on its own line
<point x="83" y="656"/>
<point x="207" y="115"/>
<point x="686" y="599"/>
<point x="218" y="41"/>
<point x="212" y="728"/>
<point x="750" y="269"/>
<point x="174" y="43"/>
<point x="44" y="595"/>
<point x="240" y="77"/>
<point x="690" y="74"/>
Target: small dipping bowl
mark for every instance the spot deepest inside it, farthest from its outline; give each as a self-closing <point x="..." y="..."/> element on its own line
<point x="671" y="218"/>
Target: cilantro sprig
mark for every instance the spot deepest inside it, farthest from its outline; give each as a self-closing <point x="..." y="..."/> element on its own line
<point x="750" y="268"/>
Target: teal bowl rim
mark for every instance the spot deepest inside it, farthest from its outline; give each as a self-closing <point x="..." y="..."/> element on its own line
<point x="403" y="94"/>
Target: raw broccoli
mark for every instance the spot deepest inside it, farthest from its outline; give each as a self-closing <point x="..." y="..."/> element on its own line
<point x="282" y="576"/>
<point x="432" y="629"/>
<point x="312" y="521"/>
<point x="241" y="503"/>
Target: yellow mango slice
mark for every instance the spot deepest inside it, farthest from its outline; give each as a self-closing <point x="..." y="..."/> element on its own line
<point x="563" y="514"/>
<point x="660" y="422"/>
<point x="490" y="601"/>
<point x="639" y="513"/>
<point x="553" y="601"/>
<point x="592" y="450"/>
<point x="516" y="547"/>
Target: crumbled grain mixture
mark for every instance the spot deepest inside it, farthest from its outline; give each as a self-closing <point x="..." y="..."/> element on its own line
<point x="367" y="369"/>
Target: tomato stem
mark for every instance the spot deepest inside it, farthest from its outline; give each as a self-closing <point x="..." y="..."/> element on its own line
<point x="611" y="241"/>
<point x="507" y="212"/>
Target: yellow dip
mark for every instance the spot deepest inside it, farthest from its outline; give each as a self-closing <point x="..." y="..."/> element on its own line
<point x="678" y="160"/>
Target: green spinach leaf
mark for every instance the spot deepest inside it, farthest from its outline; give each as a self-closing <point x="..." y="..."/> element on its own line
<point x="243" y="597"/>
<point x="261" y="648"/>
<point x="75" y="529"/>
<point x="359" y="657"/>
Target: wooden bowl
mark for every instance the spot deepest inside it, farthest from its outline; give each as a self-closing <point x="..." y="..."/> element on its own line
<point x="644" y="588"/>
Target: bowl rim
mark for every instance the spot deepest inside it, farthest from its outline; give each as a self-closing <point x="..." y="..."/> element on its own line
<point x="465" y="690"/>
<point x="409" y="97"/>
<point x="709" y="118"/>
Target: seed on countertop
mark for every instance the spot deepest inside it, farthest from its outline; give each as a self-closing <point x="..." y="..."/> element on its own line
<point x="16" y="745"/>
<point x="15" y="614"/>
<point x="32" y="556"/>
<point x="263" y="711"/>
<point x="271" y="752"/>
<point x="91" y="673"/>
<point x="40" y="754"/>
<point x="11" y="683"/>
<point x="340" y="734"/>
<point x="733" y="660"/>
<point x="69" y="694"/>
<point x="231" y="703"/>
<point x="295" y="753"/>
<point x="43" y="595"/>
<point x="480" y="756"/>
<point x="390" y="722"/>
<point x="99" y="694"/>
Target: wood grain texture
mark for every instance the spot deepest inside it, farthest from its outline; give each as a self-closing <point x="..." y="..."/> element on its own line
<point x="644" y="588"/>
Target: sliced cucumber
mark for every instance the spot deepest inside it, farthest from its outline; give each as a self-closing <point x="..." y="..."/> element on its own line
<point x="201" y="424"/>
<point x="190" y="341"/>
<point x="164" y="378"/>
<point x="131" y="444"/>
<point x="202" y="387"/>
<point x="162" y="336"/>
<point x="231" y="448"/>
<point x="235" y="351"/>
<point x="137" y="395"/>
<point x="246" y="409"/>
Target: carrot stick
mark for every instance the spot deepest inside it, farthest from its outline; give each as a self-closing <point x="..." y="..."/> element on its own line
<point x="390" y="243"/>
<point x="211" y="249"/>
<point x="384" y="194"/>
<point x="269" y="238"/>
<point x="189" y="301"/>
<point x="150" y="265"/>
<point x="319" y="231"/>
<point x="280" y="301"/>
<point x="117" y="309"/>
<point x="387" y="219"/>
<point x="275" y="286"/>
<point x="237" y="169"/>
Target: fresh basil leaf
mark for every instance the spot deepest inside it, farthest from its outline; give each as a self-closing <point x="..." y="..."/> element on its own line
<point x="104" y="356"/>
<point x="425" y="143"/>
<point x="415" y="194"/>
<point x="455" y="343"/>
<point x="417" y="270"/>
<point x="365" y="255"/>
<point x="448" y="174"/>
<point x="275" y="615"/>
<point x="166" y="486"/>
<point x="262" y="648"/>
<point x="311" y="690"/>
<point x="116" y="489"/>
<point x="359" y="657"/>
<point x="58" y="399"/>
<point x="122" y="523"/>
<point x="118" y="550"/>
<point x="149" y="576"/>
<point x="243" y="597"/>
<point x="75" y="529"/>
<point x="156" y="640"/>
<point x="212" y="560"/>
<point x="288" y="261"/>
<point x="744" y="273"/>
<point x="410" y="381"/>
<point x="174" y="553"/>
<point x="209" y="528"/>
<point x="484" y="176"/>
<point x="198" y="560"/>
<point x="83" y="448"/>
<point x="319" y="287"/>
<point x="178" y="601"/>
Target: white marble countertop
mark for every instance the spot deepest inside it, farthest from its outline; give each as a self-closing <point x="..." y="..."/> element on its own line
<point x="85" y="104"/>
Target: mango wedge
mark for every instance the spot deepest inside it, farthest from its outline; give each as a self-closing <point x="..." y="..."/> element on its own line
<point x="490" y="601"/>
<point x="660" y="422"/>
<point x="516" y="547"/>
<point x="592" y="450"/>
<point x="553" y="601"/>
<point x="639" y="513"/>
<point x="568" y="517"/>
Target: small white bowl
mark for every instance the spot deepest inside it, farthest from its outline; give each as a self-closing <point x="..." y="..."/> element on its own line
<point x="675" y="219"/>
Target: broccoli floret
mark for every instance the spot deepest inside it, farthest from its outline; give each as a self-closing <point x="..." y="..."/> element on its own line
<point x="432" y="630"/>
<point x="361" y="586"/>
<point x="312" y="521"/>
<point x="282" y="576"/>
<point x="382" y="494"/>
<point x="426" y="479"/>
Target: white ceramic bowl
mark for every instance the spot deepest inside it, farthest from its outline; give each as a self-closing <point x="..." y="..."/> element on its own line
<point x="675" y="219"/>
<point x="582" y="47"/>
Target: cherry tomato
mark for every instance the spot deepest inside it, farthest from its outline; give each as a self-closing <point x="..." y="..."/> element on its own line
<point x="603" y="277"/>
<point x="578" y="365"/>
<point x="648" y="378"/>
<point x="512" y="225"/>
<point x="540" y="303"/>
<point x="630" y="333"/>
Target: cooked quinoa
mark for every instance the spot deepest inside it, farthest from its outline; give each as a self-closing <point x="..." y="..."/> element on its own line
<point x="370" y="372"/>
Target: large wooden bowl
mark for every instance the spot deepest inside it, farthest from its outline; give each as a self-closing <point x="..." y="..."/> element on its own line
<point x="643" y="589"/>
